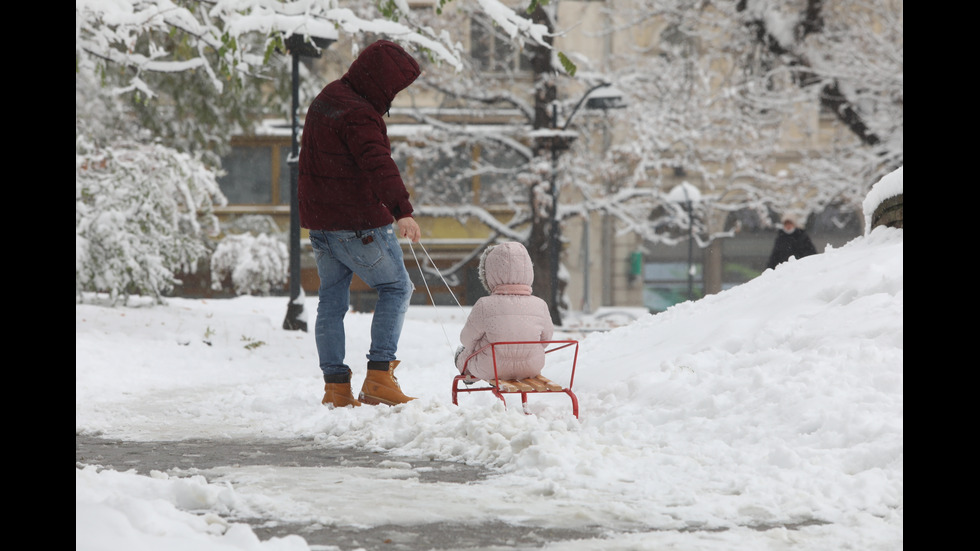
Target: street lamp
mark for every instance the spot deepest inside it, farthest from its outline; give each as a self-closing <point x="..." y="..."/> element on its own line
<point x="687" y="196"/>
<point x="602" y="98"/>
<point x="297" y="45"/>
<point x="560" y="140"/>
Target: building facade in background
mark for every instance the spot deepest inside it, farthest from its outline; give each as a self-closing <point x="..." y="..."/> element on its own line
<point x="603" y="267"/>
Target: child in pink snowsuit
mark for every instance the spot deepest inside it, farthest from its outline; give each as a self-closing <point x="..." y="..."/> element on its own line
<point x="509" y="313"/>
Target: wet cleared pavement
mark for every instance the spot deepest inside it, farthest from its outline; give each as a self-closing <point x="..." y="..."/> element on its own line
<point x="179" y="457"/>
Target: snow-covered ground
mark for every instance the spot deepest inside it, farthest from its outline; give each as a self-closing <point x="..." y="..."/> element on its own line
<point x="766" y="417"/>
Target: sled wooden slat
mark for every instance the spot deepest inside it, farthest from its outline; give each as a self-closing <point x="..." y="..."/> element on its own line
<point x="535" y="385"/>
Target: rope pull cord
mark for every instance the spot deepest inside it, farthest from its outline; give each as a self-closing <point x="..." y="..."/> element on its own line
<point x="429" y="291"/>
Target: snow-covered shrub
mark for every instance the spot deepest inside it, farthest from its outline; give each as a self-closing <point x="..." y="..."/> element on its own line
<point x="251" y="223"/>
<point x="142" y="212"/>
<point x="254" y="264"/>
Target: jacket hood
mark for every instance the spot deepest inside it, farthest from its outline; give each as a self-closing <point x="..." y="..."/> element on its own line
<point x="506" y="264"/>
<point x="381" y="71"/>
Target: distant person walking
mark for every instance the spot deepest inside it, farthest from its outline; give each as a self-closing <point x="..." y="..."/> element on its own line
<point x="355" y="204"/>
<point x="791" y="241"/>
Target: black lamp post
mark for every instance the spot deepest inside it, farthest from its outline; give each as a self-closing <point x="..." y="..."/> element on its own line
<point x="690" y="249"/>
<point x="686" y="195"/>
<point x="556" y="144"/>
<point x="560" y="142"/>
<point x="297" y="45"/>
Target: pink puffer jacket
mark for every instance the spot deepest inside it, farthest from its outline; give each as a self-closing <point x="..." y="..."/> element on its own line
<point x="509" y="313"/>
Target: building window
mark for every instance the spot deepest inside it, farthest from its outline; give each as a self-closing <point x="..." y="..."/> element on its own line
<point x="436" y="176"/>
<point x="677" y="43"/>
<point x="493" y="51"/>
<point x="497" y="180"/>
<point x="665" y="284"/>
<point x="257" y="172"/>
<point x="466" y="174"/>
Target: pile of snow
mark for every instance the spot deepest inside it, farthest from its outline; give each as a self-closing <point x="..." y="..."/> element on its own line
<point x="768" y="416"/>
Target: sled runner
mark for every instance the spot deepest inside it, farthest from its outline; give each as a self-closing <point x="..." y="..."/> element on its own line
<point x="524" y="387"/>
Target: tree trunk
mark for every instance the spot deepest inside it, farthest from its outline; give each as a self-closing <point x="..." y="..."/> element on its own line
<point x="541" y="241"/>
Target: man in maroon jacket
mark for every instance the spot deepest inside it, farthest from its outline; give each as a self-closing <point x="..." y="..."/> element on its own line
<point x="353" y="201"/>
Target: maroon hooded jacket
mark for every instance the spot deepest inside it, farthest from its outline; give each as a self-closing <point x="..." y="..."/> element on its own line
<point x="347" y="178"/>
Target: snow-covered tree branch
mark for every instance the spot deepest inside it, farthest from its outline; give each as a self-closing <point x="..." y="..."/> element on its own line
<point x="231" y="38"/>
<point x="733" y="95"/>
<point x="144" y="191"/>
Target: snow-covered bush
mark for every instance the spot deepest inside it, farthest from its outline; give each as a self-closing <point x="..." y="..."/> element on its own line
<point x="142" y="213"/>
<point x="251" y="223"/>
<point x="254" y="265"/>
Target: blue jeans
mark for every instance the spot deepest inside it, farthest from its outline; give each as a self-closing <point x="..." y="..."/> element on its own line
<point x="375" y="256"/>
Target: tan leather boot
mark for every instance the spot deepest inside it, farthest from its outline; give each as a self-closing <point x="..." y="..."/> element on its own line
<point x="338" y="395"/>
<point x="381" y="387"/>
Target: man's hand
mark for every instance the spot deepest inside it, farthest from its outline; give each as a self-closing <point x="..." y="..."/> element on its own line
<point x="408" y="227"/>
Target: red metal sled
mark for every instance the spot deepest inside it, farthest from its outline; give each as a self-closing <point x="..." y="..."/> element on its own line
<point x="537" y="385"/>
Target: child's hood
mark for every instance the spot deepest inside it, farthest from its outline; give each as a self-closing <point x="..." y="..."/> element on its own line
<point x="506" y="264"/>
